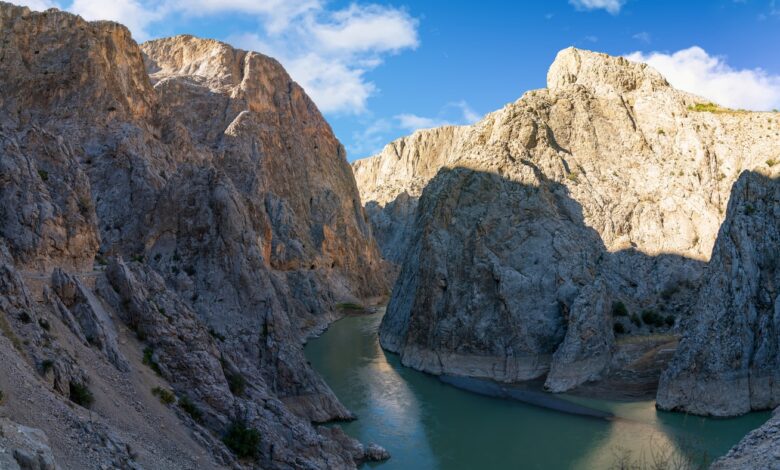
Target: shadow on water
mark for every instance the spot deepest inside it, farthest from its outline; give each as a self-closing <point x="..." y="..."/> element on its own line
<point x="428" y="424"/>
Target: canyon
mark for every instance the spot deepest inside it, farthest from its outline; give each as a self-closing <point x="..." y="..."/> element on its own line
<point x="177" y="219"/>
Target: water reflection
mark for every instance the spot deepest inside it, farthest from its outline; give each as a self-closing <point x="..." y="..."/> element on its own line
<point x="426" y="424"/>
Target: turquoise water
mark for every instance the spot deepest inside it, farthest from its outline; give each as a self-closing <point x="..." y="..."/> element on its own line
<point x="426" y="424"/>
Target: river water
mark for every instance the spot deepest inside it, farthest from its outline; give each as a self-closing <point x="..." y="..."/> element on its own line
<point x="426" y="424"/>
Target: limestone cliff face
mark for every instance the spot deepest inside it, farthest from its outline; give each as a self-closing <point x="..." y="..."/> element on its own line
<point x="729" y="358"/>
<point x="217" y="181"/>
<point x="608" y="187"/>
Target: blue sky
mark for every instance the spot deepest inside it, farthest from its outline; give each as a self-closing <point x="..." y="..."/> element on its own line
<point x="380" y="69"/>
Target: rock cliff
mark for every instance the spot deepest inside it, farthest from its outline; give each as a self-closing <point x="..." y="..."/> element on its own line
<point x="566" y="235"/>
<point x="729" y="357"/>
<point x="181" y="204"/>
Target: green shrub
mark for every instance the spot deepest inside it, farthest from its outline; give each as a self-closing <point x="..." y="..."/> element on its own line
<point x="619" y="328"/>
<point x="149" y="360"/>
<point x="712" y="108"/>
<point x="669" y="320"/>
<point x="619" y="309"/>
<point x="25" y="317"/>
<point x="216" y="335"/>
<point x="771" y="162"/>
<point x="190" y="408"/>
<point x="243" y="441"/>
<point x="137" y="258"/>
<point x="635" y="320"/>
<point x="166" y="396"/>
<point x="44" y="175"/>
<point x="236" y="382"/>
<point x="350" y="306"/>
<point x="651" y="317"/>
<point x="80" y="394"/>
<point x="46" y="365"/>
<point x="43" y="323"/>
<point x="2" y="397"/>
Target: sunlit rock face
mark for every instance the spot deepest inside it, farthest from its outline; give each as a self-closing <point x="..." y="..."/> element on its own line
<point x="607" y="187"/>
<point x="220" y="199"/>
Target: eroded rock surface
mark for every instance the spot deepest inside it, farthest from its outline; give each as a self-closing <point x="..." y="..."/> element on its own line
<point x="606" y="188"/>
<point x="229" y="220"/>
<point x="728" y="362"/>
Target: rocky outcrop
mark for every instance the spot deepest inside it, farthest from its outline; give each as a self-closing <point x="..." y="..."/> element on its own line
<point x="24" y="448"/>
<point x="584" y="205"/>
<point x="729" y="358"/>
<point x="216" y="177"/>
<point x="759" y="449"/>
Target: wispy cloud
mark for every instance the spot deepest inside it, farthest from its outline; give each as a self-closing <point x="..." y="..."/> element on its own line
<point x="612" y="6"/>
<point x="452" y="114"/>
<point x="376" y="134"/>
<point x="644" y="37"/>
<point x="696" y="71"/>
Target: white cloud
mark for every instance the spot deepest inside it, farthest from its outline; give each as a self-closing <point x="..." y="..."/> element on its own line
<point x="36" y="5"/>
<point x="329" y="52"/>
<point x="133" y="14"/>
<point x="695" y="71"/>
<point x="612" y="6"/>
<point x="452" y="114"/>
<point x="370" y="28"/>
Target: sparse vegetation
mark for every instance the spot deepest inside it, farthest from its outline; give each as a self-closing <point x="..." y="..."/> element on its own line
<point x="652" y="318"/>
<point x="80" y="394"/>
<point x="236" y="382"/>
<point x="771" y="162"/>
<point x="635" y="320"/>
<point x="749" y="209"/>
<point x="137" y="258"/>
<point x="46" y="366"/>
<point x="350" y="306"/>
<point x="712" y="108"/>
<point x="166" y="396"/>
<point x="619" y="328"/>
<point x="149" y="360"/>
<point x="216" y="335"/>
<point x="85" y="205"/>
<point x="243" y="441"/>
<point x="9" y="333"/>
<point x="44" y="323"/>
<point x="101" y="260"/>
<point x="661" y="455"/>
<point x="44" y="175"/>
<point x="2" y="397"/>
<point x="619" y="309"/>
<point x="573" y="176"/>
<point x="661" y="132"/>
<point x="190" y="408"/>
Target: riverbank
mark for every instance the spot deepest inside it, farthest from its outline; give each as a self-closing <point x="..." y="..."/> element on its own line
<point x="427" y="424"/>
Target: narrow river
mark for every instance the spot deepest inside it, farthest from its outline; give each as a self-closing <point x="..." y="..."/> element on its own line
<point x="426" y="424"/>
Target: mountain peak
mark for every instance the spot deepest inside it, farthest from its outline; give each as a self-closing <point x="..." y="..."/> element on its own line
<point x="601" y="72"/>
